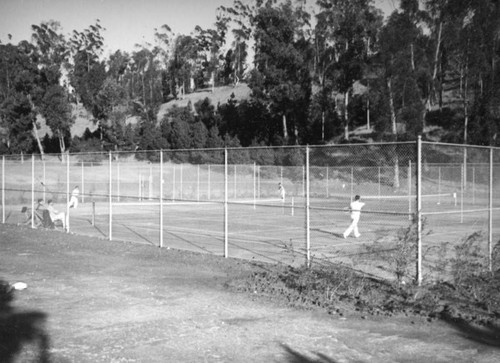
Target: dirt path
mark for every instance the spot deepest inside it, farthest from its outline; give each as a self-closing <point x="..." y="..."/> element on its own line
<point x="119" y="302"/>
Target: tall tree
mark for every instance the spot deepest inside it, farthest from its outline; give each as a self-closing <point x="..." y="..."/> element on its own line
<point x="281" y="77"/>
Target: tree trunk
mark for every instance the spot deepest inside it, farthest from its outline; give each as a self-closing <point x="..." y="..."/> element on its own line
<point x="285" y="131"/>
<point x="323" y="126"/>
<point x="39" y="143"/>
<point x="394" y="132"/>
<point x="346" y="116"/>
<point x="391" y="106"/>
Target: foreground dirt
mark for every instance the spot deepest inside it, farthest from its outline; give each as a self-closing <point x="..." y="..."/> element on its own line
<point x="91" y="300"/>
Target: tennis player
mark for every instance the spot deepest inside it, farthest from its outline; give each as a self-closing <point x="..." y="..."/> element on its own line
<point x="355" y="209"/>
<point x="281" y="189"/>
<point x="73" y="201"/>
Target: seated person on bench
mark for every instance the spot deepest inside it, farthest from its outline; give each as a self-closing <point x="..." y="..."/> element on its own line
<point x="55" y="215"/>
<point x="37" y="217"/>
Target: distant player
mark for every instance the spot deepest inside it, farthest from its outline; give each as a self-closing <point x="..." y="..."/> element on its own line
<point x="281" y="189"/>
<point x="73" y="201"/>
<point x="355" y="209"/>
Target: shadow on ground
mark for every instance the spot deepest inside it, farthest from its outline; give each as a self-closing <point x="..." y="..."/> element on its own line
<point x="487" y="335"/>
<point x="296" y="357"/>
<point x="21" y="332"/>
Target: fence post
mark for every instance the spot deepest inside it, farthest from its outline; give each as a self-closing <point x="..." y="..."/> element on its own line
<point x="490" y="213"/>
<point x="110" y="199"/>
<point x="32" y="191"/>
<point x="409" y="190"/>
<point x="208" y="184"/>
<point x="118" y="181"/>
<point x="308" y="231"/>
<point x="198" y="183"/>
<point x="173" y="182"/>
<point x="419" y="210"/>
<point x="225" y="206"/>
<point x="161" y="198"/>
<point x="44" y="181"/>
<point x="327" y="184"/>
<point x="3" y="189"/>
<point x="83" y="182"/>
<point x="254" y="185"/>
<point x="67" y="191"/>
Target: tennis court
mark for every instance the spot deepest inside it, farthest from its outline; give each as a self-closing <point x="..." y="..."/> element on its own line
<point x="227" y="202"/>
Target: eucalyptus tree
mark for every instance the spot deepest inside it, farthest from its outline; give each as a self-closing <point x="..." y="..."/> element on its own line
<point x="345" y="38"/>
<point x="51" y="98"/>
<point x="18" y="81"/>
<point x="281" y="77"/>
<point x="239" y="18"/>
<point x="88" y="71"/>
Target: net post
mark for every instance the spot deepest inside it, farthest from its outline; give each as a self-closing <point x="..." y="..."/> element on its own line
<point x="308" y="230"/>
<point x="161" y="198"/>
<point x="490" y="213"/>
<point x="110" y="197"/>
<point x="32" y="191"/>
<point x="3" y="189"/>
<point x="419" y="210"/>
<point x="225" y="206"/>
<point x="293" y="204"/>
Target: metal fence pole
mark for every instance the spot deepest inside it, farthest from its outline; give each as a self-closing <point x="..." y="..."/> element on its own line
<point x="110" y="199"/>
<point x="83" y="182"/>
<point x="32" y="191"/>
<point x="3" y="188"/>
<point x="419" y="210"/>
<point x="44" y="181"/>
<point x="118" y="181"/>
<point x="67" y="192"/>
<point x="173" y="182"/>
<point x="254" y="185"/>
<point x="490" y="214"/>
<point x="308" y="230"/>
<point x="198" y="183"/>
<point x="161" y="198"/>
<point x="225" y="206"/>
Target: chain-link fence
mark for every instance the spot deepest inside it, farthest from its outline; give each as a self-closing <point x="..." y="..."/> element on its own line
<point x="424" y="202"/>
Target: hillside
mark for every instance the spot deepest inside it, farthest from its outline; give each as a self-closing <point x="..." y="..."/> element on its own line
<point x="220" y="95"/>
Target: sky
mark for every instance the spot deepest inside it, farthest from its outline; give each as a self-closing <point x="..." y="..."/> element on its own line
<point x="127" y="22"/>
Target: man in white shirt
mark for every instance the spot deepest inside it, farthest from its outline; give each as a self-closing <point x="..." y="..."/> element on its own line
<point x="355" y="209"/>
<point x="73" y="201"/>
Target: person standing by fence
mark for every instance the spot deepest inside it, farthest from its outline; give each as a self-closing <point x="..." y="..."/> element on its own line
<point x="355" y="209"/>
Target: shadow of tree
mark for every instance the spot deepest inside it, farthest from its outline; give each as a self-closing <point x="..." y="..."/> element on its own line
<point x="18" y="329"/>
<point x="296" y="357"/>
<point x="480" y="334"/>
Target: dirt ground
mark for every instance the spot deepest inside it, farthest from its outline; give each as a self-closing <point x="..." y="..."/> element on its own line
<point x="91" y="300"/>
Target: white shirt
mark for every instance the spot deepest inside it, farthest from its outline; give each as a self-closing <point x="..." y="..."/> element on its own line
<point x="356" y="208"/>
